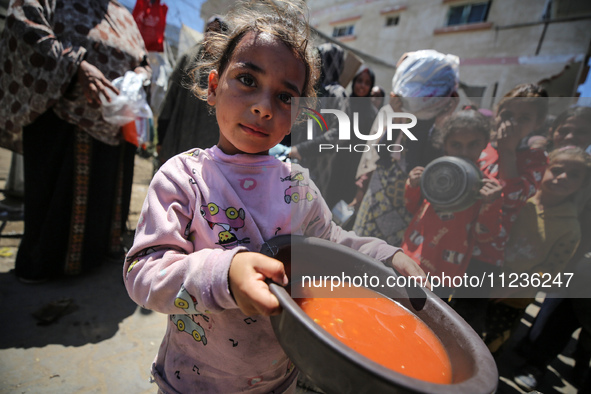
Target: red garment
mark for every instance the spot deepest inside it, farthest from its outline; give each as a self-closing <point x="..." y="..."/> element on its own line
<point x="531" y="164"/>
<point x="443" y="242"/>
<point x="150" y="17"/>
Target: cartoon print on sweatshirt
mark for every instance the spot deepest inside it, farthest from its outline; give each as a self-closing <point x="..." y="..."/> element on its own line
<point x="228" y="219"/>
<point x="295" y="177"/>
<point x="136" y="260"/>
<point x="294" y="193"/>
<point x="186" y="301"/>
<point x="187" y="323"/>
<point x="255" y="380"/>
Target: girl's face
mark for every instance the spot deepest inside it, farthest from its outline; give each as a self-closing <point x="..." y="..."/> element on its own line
<point x="523" y="113"/>
<point x="465" y="143"/>
<point x="362" y="85"/>
<point x="564" y="176"/>
<point x="253" y="95"/>
<point x="574" y="131"/>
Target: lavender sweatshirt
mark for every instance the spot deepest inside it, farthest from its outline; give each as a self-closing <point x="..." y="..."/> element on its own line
<point x="202" y="207"/>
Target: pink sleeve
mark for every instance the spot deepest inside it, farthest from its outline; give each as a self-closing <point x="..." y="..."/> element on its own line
<point x="162" y="265"/>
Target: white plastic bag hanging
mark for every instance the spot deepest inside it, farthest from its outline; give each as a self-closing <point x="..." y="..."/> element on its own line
<point x="131" y="103"/>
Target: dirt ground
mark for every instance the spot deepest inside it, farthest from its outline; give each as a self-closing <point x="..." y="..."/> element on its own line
<point x="107" y="343"/>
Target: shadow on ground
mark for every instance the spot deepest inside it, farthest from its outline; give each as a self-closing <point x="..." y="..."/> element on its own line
<point x="557" y="379"/>
<point x="99" y="302"/>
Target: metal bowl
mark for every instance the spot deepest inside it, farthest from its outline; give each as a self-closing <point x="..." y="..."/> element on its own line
<point x="451" y="184"/>
<point x="334" y="367"/>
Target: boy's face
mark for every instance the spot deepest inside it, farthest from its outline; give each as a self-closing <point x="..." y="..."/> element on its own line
<point x="465" y="143"/>
<point x="523" y="113"/>
<point x="574" y="131"/>
<point x="564" y="177"/>
<point x="253" y="96"/>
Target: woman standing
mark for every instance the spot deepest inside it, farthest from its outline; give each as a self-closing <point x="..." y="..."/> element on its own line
<point x="342" y="181"/>
<point x="59" y="58"/>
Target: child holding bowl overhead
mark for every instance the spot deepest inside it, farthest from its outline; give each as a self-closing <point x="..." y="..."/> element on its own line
<point x="208" y="213"/>
<point x="439" y="240"/>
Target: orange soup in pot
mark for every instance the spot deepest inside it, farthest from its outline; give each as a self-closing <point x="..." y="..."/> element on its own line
<point x="385" y="332"/>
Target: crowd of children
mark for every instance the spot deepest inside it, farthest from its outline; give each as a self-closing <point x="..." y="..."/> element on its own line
<point x="209" y="211"/>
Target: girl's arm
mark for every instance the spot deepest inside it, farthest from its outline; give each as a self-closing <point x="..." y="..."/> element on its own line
<point x="163" y="271"/>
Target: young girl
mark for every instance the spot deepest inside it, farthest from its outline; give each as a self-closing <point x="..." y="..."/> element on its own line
<point x="543" y="238"/>
<point x="509" y="159"/>
<point x="519" y="168"/>
<point x="208" y="213"/>
<point x="441" y="242"/>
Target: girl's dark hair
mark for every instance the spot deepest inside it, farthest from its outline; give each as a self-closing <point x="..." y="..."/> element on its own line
<point x="464" y="119"/>
<point x="529" y="92"/>
<point x="285" y="20"/>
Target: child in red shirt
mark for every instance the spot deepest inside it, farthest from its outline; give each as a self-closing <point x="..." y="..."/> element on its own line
<point x="519" y="169"/>
<point x="442" y="242"/>
<point x="509" y="159"/>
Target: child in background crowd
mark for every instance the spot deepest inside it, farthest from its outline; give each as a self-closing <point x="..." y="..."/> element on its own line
<point x="509" y="159"/>
<point x="559" y="317"/>
<point x="344" y="166"/>
<point x="425" y="84"/>
<point x="208" y="212"/>
<point x="571" y="127"/>
<point x="442" y="242"/>
<point x="519" y="168"/>
<point x="543" y="239"/>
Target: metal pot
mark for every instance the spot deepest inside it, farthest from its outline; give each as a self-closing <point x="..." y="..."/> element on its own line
<point x="334" y="367"/>
<point x="451" y="183"/>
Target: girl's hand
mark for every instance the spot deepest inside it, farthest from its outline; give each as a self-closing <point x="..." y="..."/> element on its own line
<point x="490" y="191"/>
<point x="406" y="266"/>
<point x="246" y="278"/>
<point x="414" y="176"/>
<point x="94" y="82"/>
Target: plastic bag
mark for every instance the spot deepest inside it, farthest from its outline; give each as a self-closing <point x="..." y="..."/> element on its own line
<point x="422" y="78"/>
<point x="131" y="102"/>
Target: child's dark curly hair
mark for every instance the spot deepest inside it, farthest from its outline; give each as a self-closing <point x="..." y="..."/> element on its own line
<point x="286" y="20"/>
<point x="529" y="92"/>
<point x="465" y="119"/>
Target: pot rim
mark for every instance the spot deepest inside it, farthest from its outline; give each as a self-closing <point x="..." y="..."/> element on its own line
<point x="485" y="369"/>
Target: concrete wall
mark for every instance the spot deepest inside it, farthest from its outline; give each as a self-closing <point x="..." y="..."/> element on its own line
<point x="497" y="56"/>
